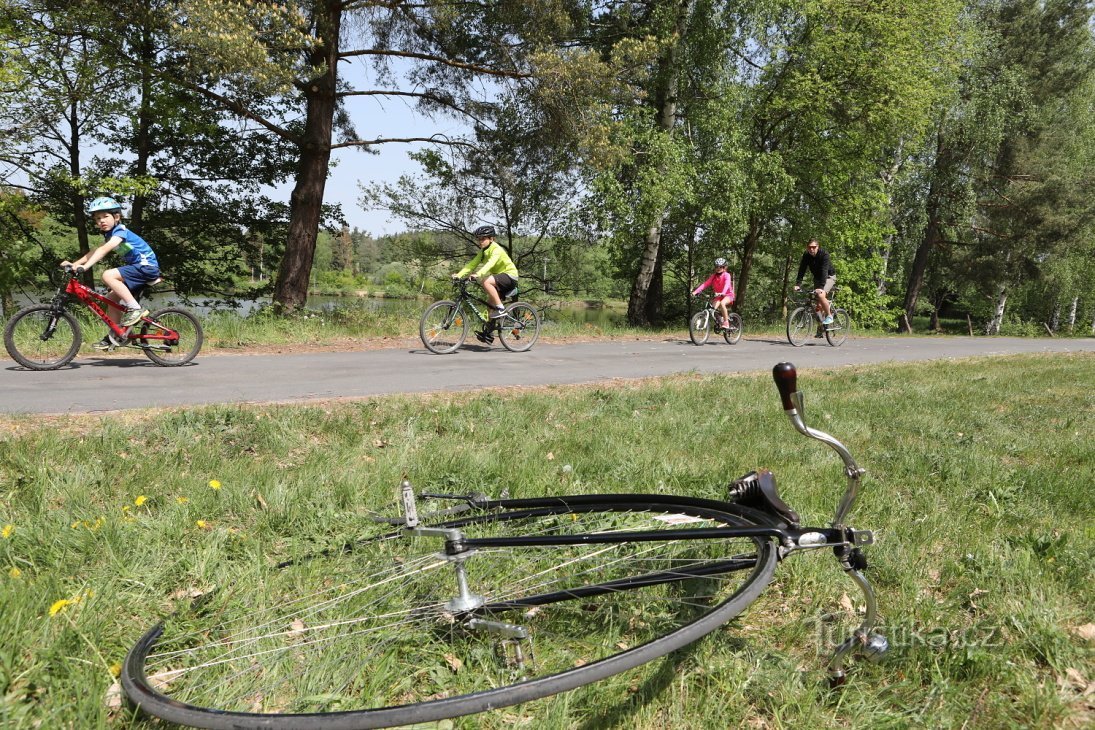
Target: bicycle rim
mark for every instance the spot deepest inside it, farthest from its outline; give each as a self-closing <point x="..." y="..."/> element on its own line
<point x="443" y="327"/>
<point x="837" y="332"/>
<point x="699" y="328"/>
<point x="520" y="328"/>
<point x="40" y="338"/>
<point x="800" y="325"/>
<point x="176" y="351"/>
<point x="366" y="637"/>
<point x="733" y="330"/>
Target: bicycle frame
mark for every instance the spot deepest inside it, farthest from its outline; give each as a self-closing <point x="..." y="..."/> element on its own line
<point x="844" y="540"/>
<point x="99" y="304"/>
<point x="810" y="300"/>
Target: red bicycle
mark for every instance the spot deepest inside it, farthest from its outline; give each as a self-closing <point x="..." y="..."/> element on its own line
<point x="48" y="336"/>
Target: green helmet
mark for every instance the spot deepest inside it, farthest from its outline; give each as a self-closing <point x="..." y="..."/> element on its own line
<point x="108" y="205"/>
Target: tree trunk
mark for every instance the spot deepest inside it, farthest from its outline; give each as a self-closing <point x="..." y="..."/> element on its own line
<point x="1072" y="314"/>
<point x="993" y="327"/>
<point x="665" y="98"/>
<point x="143" y="141"/>
<point x="932" y="237"/>
<point x="1055" y="316"/>
<point x="748" y="251"/>
<point x="306" y="200"/>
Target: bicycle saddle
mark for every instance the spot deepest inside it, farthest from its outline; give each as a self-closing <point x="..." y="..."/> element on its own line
<point x="758" y="490"/>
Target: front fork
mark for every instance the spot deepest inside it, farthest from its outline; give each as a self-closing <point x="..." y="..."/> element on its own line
<point x="864" y="640"/>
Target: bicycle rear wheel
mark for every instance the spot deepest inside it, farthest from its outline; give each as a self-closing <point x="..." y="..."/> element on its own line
<point x="800" y="325"/>
<point x="733" y="330"/>
<point x="838" y="331"/>
<point x="443" y="327"/>
<point x="369" y="636"/>
<point x="41" y="338"/>
<point x="175" y="351"/>
<point x="699" y="327"/>
<point x="520" y="328"/>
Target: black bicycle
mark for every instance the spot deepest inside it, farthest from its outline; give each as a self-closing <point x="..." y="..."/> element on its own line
<point x="706" y="321"/>
<point x="806" y="317"/>
<point x="502" y="602"/>
<point x="444" y="325"/>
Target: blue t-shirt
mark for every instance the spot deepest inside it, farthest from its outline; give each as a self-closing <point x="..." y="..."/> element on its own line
<point x="133" y="248"/>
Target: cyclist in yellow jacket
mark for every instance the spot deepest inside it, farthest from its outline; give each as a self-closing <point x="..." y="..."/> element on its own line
<point x="492" y="268"/>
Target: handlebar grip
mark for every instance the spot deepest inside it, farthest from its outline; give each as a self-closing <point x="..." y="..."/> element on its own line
<point x="786" y="378"/>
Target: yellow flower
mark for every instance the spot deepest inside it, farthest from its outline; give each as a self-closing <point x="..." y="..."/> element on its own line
<point x="214" y="484"/>
<point x="141" y="499"/>
<point x="6" y="532"/>
<point x="59" y="606"/>
<point x="182" y="500"/>
<point x="15" y="573"/>
<point x="200" y="524"/>
<point x="115" y="669"/>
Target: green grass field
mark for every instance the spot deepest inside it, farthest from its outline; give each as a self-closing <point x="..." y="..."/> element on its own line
<point x="979" y="488"/>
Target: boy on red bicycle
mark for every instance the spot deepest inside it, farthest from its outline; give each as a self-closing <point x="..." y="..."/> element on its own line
<point x="139" y="269"/>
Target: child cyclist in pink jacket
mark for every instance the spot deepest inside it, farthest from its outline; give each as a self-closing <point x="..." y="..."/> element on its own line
<point x="722" y="283"/>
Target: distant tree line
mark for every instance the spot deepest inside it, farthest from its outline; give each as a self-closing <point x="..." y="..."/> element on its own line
<point x="941" y="150"/>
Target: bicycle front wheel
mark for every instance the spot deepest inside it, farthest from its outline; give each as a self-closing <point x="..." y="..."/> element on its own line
<point x="443" y="327"/>
<point x="699" y="327"/>
<point x="733" y="330"/>
<point x="800" y="325"/>
<point x="838" y="331"/>
<point x="171" y="337"/>
<point x="42" y="338"/>
<point x="379" y="633"/>
<point x="520" y="328"/>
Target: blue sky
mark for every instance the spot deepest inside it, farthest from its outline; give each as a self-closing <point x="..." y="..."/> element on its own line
<point x="377" y="117"/>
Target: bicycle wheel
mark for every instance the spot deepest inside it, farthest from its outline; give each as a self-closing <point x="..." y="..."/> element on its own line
<point x="520" y="328"/>
<point x="733" y="330"/>
<point x="800" y="325"/>
<point x="175" y="351"/>
<point x="371" y="635"/>
<point x="699" y="327"/>
<point x="443" y="327"/>
<point x="838" y="331"/>
<point x="40" y="338"/>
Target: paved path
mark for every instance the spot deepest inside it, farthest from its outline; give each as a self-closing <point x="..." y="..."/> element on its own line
<point x="92" y="383"/>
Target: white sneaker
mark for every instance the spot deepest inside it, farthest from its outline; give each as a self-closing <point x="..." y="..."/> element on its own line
<point x="498" y="313"/>
<point x="827" y="320"/>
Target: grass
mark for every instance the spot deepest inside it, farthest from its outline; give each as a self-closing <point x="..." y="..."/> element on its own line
<point x="979" y="488"/>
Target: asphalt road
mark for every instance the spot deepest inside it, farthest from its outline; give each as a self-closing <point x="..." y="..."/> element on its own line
<point x="94" y="384"/>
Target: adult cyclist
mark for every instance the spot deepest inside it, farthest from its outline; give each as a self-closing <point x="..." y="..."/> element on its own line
<point x="816" y="259"/>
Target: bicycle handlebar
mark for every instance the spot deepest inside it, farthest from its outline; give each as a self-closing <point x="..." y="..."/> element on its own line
<point x="786" y="378"/>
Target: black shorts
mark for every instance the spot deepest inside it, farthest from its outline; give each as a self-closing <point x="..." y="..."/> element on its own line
<point x="505" y="284"/>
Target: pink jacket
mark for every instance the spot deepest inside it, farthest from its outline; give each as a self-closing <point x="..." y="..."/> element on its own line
<point x="723" y="284"/>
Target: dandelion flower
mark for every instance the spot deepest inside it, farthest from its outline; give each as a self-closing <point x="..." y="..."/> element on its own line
<point x="214" y="484"/>
<point x="182" y="500"/>
<point x="200" y="524"/>
<point x="15" y="573"/>
<point x="140" y="500"/>
<point x="59" y="606"/>
<point x="115" y="669"/>
<point x="6" y="531"/>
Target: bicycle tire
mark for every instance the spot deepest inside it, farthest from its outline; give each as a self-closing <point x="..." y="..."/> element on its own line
<point x="173" y="353"/>
<point x="732" y="333"/>
<point x="610" y="606"/>
<point x="26" y="341"/>
<point x="800" y="325"/>
<point x="837" y="332"/>
<point x="443" y="327"/>
<point x="699" y="327"/>
<point x="520" y="328"/>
